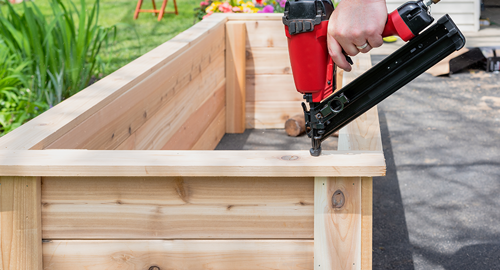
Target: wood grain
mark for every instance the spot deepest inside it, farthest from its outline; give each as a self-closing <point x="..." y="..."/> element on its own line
<point x="266" y="34"/>
<point x="20" y="223"/>
<point x="268" y="87"/>
<point x="337" y="231"/>
<point x="272" y="60"/>
<point x="213" y="134"/>
<point x="366" y="222"/>
<point x="177" y="208"/>
<point x="162" y="126"/>
<point x="235" y="77"/>
<point x="268" y="114"/>
<point x="363" y="134"/>
<point x="48" y="127"/>
<point x="127" y="114"/>
<point x="190" y="163"/>
<point x="194" y="128"/>
<point x="178" y="254"/>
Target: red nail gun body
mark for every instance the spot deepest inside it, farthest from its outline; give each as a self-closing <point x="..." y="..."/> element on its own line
<point x="306" y="25"/>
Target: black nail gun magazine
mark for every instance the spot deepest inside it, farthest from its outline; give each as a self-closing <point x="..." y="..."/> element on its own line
<point x="329" y="114"/>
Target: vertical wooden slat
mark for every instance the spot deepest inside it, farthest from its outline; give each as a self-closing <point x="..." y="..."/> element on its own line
<point x="362" y="134"/>
<point x="337" y="229"/>
<point x="235" y="77"/>
<point x="20" y="223"/>
<point x="366" y="222"/>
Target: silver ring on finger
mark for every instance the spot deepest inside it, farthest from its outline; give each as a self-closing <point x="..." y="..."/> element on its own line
<point x="362" y="46"/>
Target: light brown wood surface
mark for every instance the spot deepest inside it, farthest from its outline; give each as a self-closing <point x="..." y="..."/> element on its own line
<point x="271" y="94"/>
<point x="177" y="208"/>
<point x="46" y="128"/>
<point x="268" y="60"/>
<point x="198" y="123"/>
<point x="213" y="134"/>
<point x="235" y="77"/>
<point x="178" y="254"/>
<point x="272" y="88"/>
<point x="364" y="132"/>
<point x="190" y="163"/>
<point x="346" y="234"/>
<point x="20" y="223"/>
<point x="269" y="114"/>
<point x="366" y="222"/>
<point x="337" y="231"/>
<point x="164" y="124"/>
<point x="198" y="71"/>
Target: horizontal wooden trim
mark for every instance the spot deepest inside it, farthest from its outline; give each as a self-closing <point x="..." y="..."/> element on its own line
<point x="190" y="163"/>
<point x="177" y="207"/>
<point x="179" y="254"/>
<point x="255" y="17"/>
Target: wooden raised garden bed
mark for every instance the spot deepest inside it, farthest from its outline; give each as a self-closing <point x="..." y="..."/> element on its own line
<point x="118" y="176"/>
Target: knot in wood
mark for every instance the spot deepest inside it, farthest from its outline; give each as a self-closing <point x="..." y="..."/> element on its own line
<point x="338" y="199"/>
<point x="289" y="157"/>
<point x="154" y="267"/>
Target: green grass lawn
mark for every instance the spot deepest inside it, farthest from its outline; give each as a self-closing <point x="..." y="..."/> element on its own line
<point x="135" y="37"/>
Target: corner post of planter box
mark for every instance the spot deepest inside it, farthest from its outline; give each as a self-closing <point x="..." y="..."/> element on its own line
<point x="20" y="223"/>
<point x="235" y="76"/>
<point x="343" y="205"/>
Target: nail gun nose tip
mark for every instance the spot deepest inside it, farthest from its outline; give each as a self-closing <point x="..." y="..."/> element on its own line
<point x="315" y="152"/>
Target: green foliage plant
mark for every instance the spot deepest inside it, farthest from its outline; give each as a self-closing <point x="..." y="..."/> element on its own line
<point x="62" y="49"/>
<point x="17" y="103"/>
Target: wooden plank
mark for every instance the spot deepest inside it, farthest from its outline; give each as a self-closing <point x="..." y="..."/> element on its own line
<point x="178" y="254"/>
<point x="272" y="88"/>
<point x="163" y="125"/>
<point x="254" y="16"/>
<point x="49" y="126"/>
<point x="194" y="128"/>
<point x="268" y="114"/>
<point x="366" y="222"/>
<point x="20" y="223"/>
<point x="337" y="229"/>
<point x="177" y="208"/>
<point x="133" y="110"/>
<point x="213" y="134"/>
<point x="265" y="34"/>
<point x="190" y="163"/>
<point x="363" y="134"/>
<point x="235" y="77"/>
<point x="273" y="60"/>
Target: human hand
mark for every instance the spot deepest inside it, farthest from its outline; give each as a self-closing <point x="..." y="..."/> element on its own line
<point x="355" y="23"/>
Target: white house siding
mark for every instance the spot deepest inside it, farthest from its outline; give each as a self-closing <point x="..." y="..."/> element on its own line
<point x="465" y="13"/>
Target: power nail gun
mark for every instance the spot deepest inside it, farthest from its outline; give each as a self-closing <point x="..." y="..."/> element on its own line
<point x="306" y="23"/>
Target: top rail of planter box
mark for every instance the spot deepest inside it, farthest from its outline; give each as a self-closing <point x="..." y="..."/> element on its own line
<point x="190" y="163"/>
<point x="178" y="97"/>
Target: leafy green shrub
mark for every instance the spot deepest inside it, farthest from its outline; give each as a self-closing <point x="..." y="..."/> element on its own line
<point x="17" y="104"/>
<point x="63" y="50"/>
